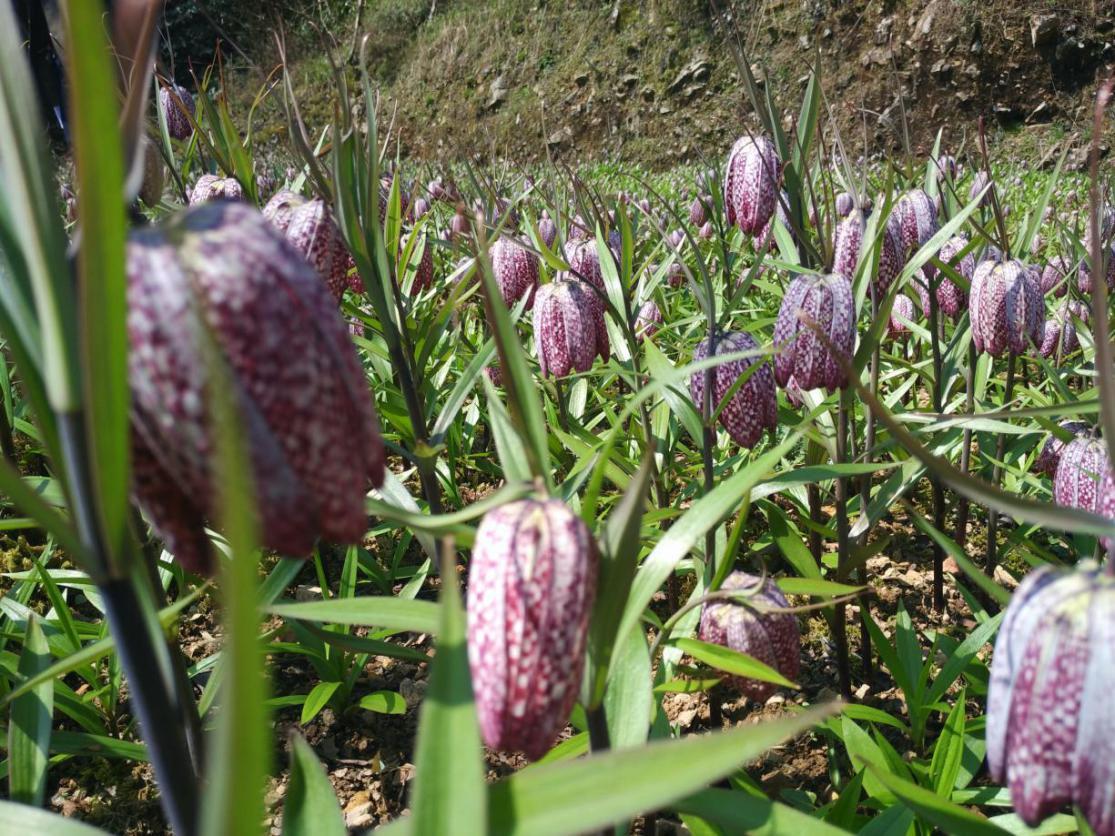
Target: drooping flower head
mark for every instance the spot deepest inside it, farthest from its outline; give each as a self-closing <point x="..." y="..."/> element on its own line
<point x="569" y="328"/>
<point x="753" y="408"/>
<point x="1055" y="276"/>
<point x="825" y="303"/>
<point x="219" y="274"/>
<point x="280" y="208"/>
<point x="176" y="102"/>
<point x="531" y="587"/>
<point x="849" y="241"/>
<point x="952" y="300"/>
<point x="516" y="270"/>
<point x="1050" y="730"/>
<point x="1060" y="337"/>
<point x="751" y="183"/>
<point x="1050" y="455"/>
<point x="648" y="320"/>
<point x="901" y="315"/>
<point x="314" y="233"/>
<point x="212" y="187"/>
<point x="916" y="214"/>
<point x="753" y="626"/>
<point x="1084" y="478"/>
<point x="1007" y="308"/>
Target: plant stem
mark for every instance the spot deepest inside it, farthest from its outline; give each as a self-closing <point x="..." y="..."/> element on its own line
<point x="966" y="450"/>
<point x="934" y="481"/>
<point x="997" y="475"/>
<point x="865" y="492"/>
<point x="563" y="410"/>
<point x="840" y="627"/>
<point x="143" y="655"/>
<point x="141" y="646"/>
<point x="814" y="493"/>
<point x="597" y="720"/>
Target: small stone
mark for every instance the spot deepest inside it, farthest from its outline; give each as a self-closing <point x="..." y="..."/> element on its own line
<point x="1044" y="29"/>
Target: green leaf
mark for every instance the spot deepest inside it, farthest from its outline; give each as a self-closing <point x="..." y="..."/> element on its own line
<point x="789" y="541"/>
<point x="449" y="792"/>
<point x="949" y="749"/>
<point x="103" y="334"/>
<point x="629" y="701"/>
<point x="31" y="720"/>
<point x="732" y="661"/>
<point x="1053" y="826"/>
<point x="384" y="702"/>
<point x="958" y="660"/>
<point x="19" y="818"/>
<point x="317" y="699"/>
<point x="816" y="588"/>
<point x="704" y="514"/>
<point x="240" y="752"/>
<point x="740" y="812"/>
<point x="379" y="611"/>
<point x="617" y="568"/>
<point x="98" y="650"/>
<point x="603" y="790"/>
<point x="579" y="796"/>
<point x="310" y="807"/>
<point x="950" y="818"/>
<point x="863" y="752"/>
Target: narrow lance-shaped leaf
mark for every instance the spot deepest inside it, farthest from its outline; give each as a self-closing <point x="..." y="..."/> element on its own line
<point x="29" y="725"/>
<point x="450" y="793"/>
<point x="100" y="263"/>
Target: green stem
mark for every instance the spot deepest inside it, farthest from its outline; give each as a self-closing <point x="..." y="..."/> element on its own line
<point x="597" y="719"/>
<point x="934" y="481"/>
<point x="840" y="627"/>
<point x="997" y="475"/>
<point x="966" y="450"/>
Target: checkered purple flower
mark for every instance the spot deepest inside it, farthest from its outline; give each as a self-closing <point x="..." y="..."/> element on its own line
<point x="750" y="626"/>
<point x="221" y="272"/>
<point x="1007" y="308"/>
<point x="825" y="303"/>
<point x="751" y="183"/>
<point x="1050" y="729"/>
<point x="531" y="587"/>
<point x="753" y="408"/>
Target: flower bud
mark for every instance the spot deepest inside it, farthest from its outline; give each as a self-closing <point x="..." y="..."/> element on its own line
<point x="698" y="210"/>
<point x="531" y="587"/>
<point x="220" y="274"/>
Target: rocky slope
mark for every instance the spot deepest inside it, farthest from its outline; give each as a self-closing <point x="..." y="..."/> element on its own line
<point x="657" y="81"/>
